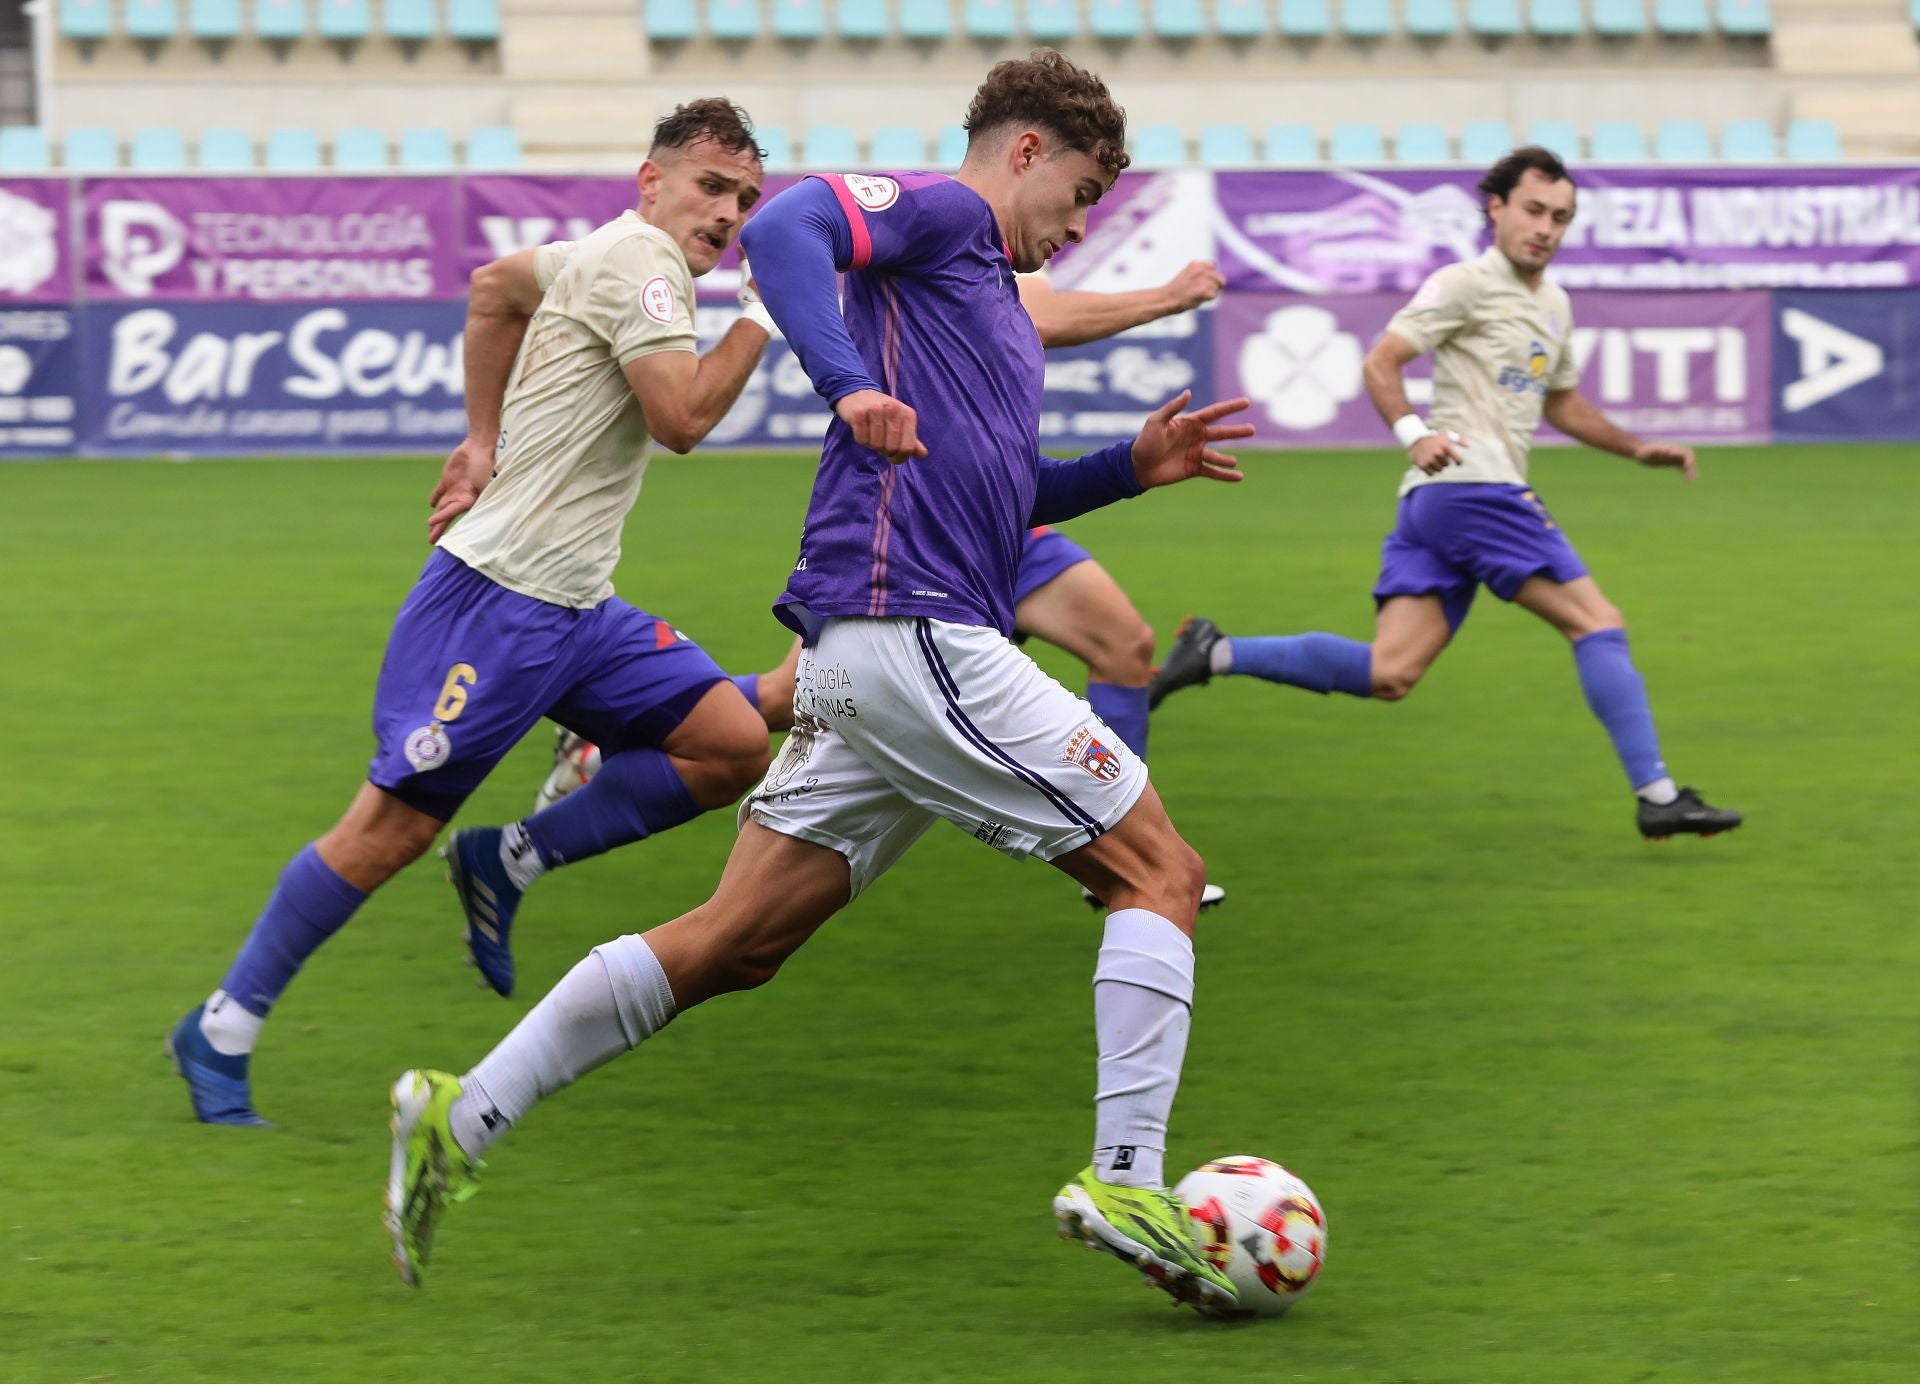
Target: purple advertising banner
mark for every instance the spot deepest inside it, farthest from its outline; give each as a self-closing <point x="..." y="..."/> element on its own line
<point x="1695" y="367"/>
<point x="274" y="240"/>
<point x="33" y="242"/>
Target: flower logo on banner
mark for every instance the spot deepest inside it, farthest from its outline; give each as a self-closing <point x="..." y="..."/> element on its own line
<point x="1301" y="367"/>
<point x="29" y="245"/>
<point x="16" y="368"/>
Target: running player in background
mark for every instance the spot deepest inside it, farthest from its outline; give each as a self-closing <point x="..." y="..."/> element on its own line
<point x="1501" y="337"/>
<point x="514" y="616"/>
<point x="914" y="704"/>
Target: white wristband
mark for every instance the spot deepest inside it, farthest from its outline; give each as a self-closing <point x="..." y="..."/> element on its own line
<point x="1411" y="429"/>
<point x="757" y="314"/>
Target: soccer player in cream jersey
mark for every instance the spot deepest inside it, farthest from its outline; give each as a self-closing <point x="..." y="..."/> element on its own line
<point x="914" y="704"/>
<point x="1501" y="336"/>
<point x="514" y="616"/>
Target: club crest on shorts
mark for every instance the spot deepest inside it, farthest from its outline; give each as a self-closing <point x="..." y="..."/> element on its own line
<point x="1093" y="754"/>
<point x="428" y="748"/>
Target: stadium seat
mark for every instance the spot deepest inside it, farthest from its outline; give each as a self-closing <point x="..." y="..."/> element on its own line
<point x="779" y="146"/>
<point x="88" y="19"/>
<point x="1681" y="18"/>
<point x="474" y="21"/>
<point x="799" y="21"/>
<point x="950" y="146"/>
<point x="1159" y="146"/>
<point x="1227" y="146"/>
<point x="861" y="19"/>
<point x="280" y="20"/>
<point x="1290" y="142"/>
<point x="1560" y="137"/>
<point x="1178" y="19"/>
<point x="358" y="149"/>
<point x="1494" y="18"/>
<point x="1555" y="18"/>
<point x="1754" y="18"/>
<point x="1357" y="142"/>
<point x="1239" y="18"/>
<point x="735" y="20"/>
<point x="1813" y="141"/>
<point x="1306" y="18"/>
<point x="293" y="151"/>
<point x="344" y="21"/>
<point x="426" y="148"/>
<point x="1431" y="19"/>
<point x="1483" y="141"/>
<point x="1422" y="142"/>
<point x="926" y="20"/>
<point x="225" y="150"/>
<point x="493" y="146"/>
<point x="1748" y="141"/>
<point x="1616" y="141"/>
<point x="988" y="18"/>
<point x="899" y="148"/>
<point x="1682" y="141"/>
<point x="1114" y="18"/>
<point x="670" y="21"/>
<point x="90" y="149"/>
<point x="157" y="150"/>
<point x="1366" y="18"/>
<point x="151" y="19"/>
<point x="24" y="149"/>
<point x="829" y="146"/>
<point x="214" y="19"/>
<point x="1053" y="19"/>
<point x="409" y="21"/>
<point x="1619" y="18"/>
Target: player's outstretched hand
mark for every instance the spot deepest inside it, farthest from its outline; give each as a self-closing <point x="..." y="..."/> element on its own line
<point x="461" y="480"/>
<point x="1176" y="446"/>
<point x="881" y="423"/>
<point x="1200" y="282"/>
<point x="1668" y="454"/>
<point x="1436" y="451"/>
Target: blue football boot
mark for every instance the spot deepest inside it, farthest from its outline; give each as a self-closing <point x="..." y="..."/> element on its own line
<point x="216" y="1081"/>
<point x="488" y="898"/>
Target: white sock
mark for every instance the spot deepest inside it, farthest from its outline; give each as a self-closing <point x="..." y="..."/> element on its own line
<point x="1660" y="792"/>
<point x="522" y="861"/>
<point x="232" y="1030"/>
<point x="1142" y="1008"/>
<point x="1220" y="656"/>
<point x="615" y="998"/>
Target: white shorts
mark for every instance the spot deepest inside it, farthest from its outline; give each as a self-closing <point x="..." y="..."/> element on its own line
<point x="898" y="721"/>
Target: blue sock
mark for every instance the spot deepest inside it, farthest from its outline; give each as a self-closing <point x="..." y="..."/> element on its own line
<point x="636" y="794"/>
<point x="309" y="905"/>
<point x="1618" y="696"/>
<point x="1320" y="663"/>
<point x="1123" y="708"/>
<point x="749" y="685"/>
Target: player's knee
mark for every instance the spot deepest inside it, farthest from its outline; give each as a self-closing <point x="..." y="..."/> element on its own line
<point x="1393" y="684"/>
<point x="1191" y="874"/>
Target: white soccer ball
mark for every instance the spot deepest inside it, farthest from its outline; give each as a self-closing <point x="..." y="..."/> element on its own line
<point x="1260" y="1225"/>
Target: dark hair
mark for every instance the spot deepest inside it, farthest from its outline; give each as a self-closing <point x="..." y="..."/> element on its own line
<point x="1505" y="175"/>
<point x="1047" y="91"/>
<point x="711" y="117"/>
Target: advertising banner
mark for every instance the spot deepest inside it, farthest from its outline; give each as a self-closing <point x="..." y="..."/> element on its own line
<point x="39" y="373"/>
<point x="1846" y="366"/>
<point x="33" y="242"/>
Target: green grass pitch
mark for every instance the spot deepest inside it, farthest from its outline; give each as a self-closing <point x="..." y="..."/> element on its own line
<point x="1580" y="1109"/>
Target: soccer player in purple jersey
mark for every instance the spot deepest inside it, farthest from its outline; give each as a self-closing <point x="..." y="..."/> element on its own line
<point x="514" y="616"/>
<point x="914" y="705"/>
<point x="1501" y="335"/>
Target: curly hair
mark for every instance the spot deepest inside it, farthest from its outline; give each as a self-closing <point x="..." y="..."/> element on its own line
<point x="1047" y="91"/>
<point x="1505" y="175"/>
<point x="711" y="117"/>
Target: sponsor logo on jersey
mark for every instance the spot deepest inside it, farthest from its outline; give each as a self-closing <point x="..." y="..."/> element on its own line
<point x="1093" y="755"/>
<point x="656" y="298"/>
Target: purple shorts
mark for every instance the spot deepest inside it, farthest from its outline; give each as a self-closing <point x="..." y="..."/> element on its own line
<point x="471" y="667"/>
<point x="1454" y="536"/>
<point x="1044" y="555"/>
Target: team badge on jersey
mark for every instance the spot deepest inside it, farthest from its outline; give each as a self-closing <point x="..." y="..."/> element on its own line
<point x="873" y="194"/>
<point x="1093" y="755"/>
<point x="1537" y="360"/>
<point x="656" y="298"/>
<point x="428" y="748"/>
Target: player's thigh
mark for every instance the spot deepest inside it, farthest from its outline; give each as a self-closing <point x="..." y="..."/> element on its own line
<point x="1408" y="634"/>
<point x="1085" y="612"/>
<point x="636" y="681"/>
<point x="1141" y="862"/>
<point x="1413" y="569"/>
<point x="1576" y="608"/>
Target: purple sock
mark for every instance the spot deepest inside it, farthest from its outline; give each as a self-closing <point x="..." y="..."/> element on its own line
<point x="1123" y="708"/>
<point x="1320" y="663"/>
<point x="749" y="685"/>
<point x="309" y="905"/>
<point x="636" y="794"/>
<point x="1618" y="695"/>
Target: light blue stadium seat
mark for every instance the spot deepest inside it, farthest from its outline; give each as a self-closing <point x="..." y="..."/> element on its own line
<point x="1813" y="141"/>
<point x="1306" y="18"/>
<point x="150" y="19"/>
<point x="158" y="150"/>
<point x="426" y="148"/>
<point x="24" y="149"/>
<point x="670" y="21"/>
<point x="778" y="144"/>
<point x="1754" y="18"/>
<point x="344" y="20"/>
<point x="1483" y="141"/>
<point x="1227" y="146"/>
<point x="926" y="20"/>
<point x="358" y="149"/>
<point x="1357" y="142"/>
<point x="988" y="18"/>
<point x="214" y="19"/>
<point x="293" y="150"/>
<point x="1555" y="18"/>
<point x="1178" y="19"/>
<point x="474" y="21"/>
<point x="1159" y="146"/>
<point x="1292" y="142"/>
<point x="1683" y="141"/>
<point x="493" y="146"/>
<point x="1616" y="141"/>
<point x="829" y="146"/>
<point x="1494" y="18"/>
<point x="1431" y="19"/>
<point x="950" y="146"/>
<point x="1748" y="141"/>
<point x="281" y="20"/>
<point x="410" y="21"/>
<point x="898" y="148"/>
<point x="862" y="19"/>
<point x="1681" y="18"/>
<point x="734" y="19"/>
<point x="1422" y="142"/>
<point x="1114" y="18"/>
<point x="87" y="19"/>
<point x="1560" y="137"/>
<point x="1239" y="18"/>
<point x="1366" y="18"/>
<point x="90" y="149"/>
<point x="1053" y="19"/>
<point x="800" y="21"/>
<point x="1619" y="18"/>
<point x="225" y="150"/>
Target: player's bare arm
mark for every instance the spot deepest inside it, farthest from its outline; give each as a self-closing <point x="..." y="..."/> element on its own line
<point x="1383" y="373"/>
<point x="1067" y="318"/>
<point x="1579" y="418"/>
<point x="684" y="396"/>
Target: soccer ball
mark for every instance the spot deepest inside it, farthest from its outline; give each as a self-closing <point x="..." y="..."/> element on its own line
<point x="1261" y="1226"/>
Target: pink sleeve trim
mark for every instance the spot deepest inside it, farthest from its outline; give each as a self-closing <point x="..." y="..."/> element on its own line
<point x="856" y="218"/>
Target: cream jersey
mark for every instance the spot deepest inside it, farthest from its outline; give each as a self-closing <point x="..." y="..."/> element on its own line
<point x="573" y="438"/>
<point x="1498" y="349"/>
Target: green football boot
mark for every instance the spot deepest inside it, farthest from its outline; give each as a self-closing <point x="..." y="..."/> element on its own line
<point x="427" y="1170"/>
<point x="1147" y="1227"/>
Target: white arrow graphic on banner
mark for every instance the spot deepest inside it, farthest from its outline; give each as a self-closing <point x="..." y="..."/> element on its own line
<point x="1832" y="361"/>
